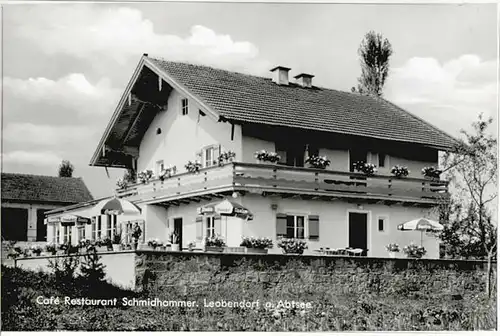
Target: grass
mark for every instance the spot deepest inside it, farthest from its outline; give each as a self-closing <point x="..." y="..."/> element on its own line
<point x="330" y="311"/>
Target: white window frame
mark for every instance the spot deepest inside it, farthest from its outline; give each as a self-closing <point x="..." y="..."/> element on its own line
<point x="213" y="161"/>
<point x="111" y="229"/>
<point x="209" y="226"/>
<point x="67" y="234"/>
<point x="295" y="215"/>
<point x="160" y="166"/>
<point x="81" y="232"/>
<point x="184" y="106"/>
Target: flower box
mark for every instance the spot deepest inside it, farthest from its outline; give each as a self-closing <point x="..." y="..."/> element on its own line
<point x="231" y="249"/>
<point x="253" y="250"/>
<point x="318" y="162"/>
<point x="368" y="169"/>
<point x="265" y="156"/>
<point x="214" y="249"/>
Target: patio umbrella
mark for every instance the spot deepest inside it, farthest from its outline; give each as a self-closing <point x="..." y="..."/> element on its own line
<point x="226" y="208"/>
<point x="117" y="206"/>
<point x="421" y="224"/>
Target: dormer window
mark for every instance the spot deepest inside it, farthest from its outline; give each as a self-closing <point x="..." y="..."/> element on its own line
<point x="184" y="106"/>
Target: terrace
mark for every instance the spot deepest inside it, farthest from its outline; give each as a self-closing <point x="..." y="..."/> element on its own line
<point x="269" y="179"/>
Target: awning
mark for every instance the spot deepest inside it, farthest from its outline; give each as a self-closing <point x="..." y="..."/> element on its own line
<point x="226" y="208"/>
<point x="68" y="220"/>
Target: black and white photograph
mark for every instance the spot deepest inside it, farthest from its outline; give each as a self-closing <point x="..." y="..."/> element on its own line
<point x="249" y="166"/>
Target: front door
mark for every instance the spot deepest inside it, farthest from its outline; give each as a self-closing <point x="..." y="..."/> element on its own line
<point x="178" y="231"/>
<point x="41" y="228"/>
<point x="358" y="231"/>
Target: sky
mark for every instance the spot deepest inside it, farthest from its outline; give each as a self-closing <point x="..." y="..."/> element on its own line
<point x="65" y="66"/>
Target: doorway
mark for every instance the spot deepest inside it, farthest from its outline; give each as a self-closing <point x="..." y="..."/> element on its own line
<point x="41" y="227"/>
<point x="15" y="224"/>
<point x="178" y="231"/>
<point x="358" y="231"/>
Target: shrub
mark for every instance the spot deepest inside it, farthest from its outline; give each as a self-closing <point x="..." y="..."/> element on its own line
<point x="414" y="251"/>
<point x="92" y="268"/>
<point x="260" y="243"/>
<point x="292" y="245"/>
<point x="319" y="162"/>
<point x="64" y="268"/>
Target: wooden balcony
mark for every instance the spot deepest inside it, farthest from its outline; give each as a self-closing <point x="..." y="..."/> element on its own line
<point x="288" y="182"/>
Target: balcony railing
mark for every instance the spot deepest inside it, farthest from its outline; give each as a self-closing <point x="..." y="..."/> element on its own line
<point x="278" y="178"/>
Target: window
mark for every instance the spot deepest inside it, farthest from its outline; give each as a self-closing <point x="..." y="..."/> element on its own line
<point x="184" y="106"/>
<point x="81" y="232"/>
<point x="159" y="167"/>
<point x="111" y="229"/>
<point x="381" y="159"/>
<point x="210" y="156"/>
<point x="291" y="154"/>
<point x="67" y="234"/>
<point x="57" y="234"/>
<point x="96" y="227"/>
<point x="312" y="150"/>
<point x="381" y="224"/>
<point x="295" y="227"/>
<point x="210" y="227"/>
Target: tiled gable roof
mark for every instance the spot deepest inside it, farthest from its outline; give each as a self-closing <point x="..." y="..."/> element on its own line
<point x="253" y="99"/>
<point x="45" y="189"/>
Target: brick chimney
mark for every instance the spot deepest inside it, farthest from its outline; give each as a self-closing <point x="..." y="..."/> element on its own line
<point x="304" y="80"/>
<point x="280" y="75"/>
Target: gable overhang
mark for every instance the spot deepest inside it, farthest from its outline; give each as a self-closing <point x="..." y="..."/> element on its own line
<point x="134" y="114"/>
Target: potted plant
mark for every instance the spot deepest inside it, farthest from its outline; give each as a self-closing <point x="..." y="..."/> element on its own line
<point x="191" y="246"/>
<point x="36" y="249"/>
<point x="318" y="162"/>
<point x="193" y="166"/>
<point x="292" y="245"/>
<point x="121" y="183"/>
<point x="51" y="248"/>
<point x="174" y="242"/>
<point x="153" y="243"/>
<point x="63" y="249"/>
<point x="117" y="239"/>
<point x="226" y="157"/>
<point x="145" y="175"/>
<point x="83" y="245"/>
<point x="265" y="156"/>
<point x="368" y="169"/>
<point x="136" y="234"/>
<point x="400" y="171"/>
<point x="125" y="246"/>
<point x="214" y="244"/>
<point x="167" y="172"/>
<point x="392" y="248"/>
<point x="414" y="251"/>
<point x="256" y="245"/>
<point x="431" y="172"/>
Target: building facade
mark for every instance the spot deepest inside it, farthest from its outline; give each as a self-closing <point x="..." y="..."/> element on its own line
<point x="172" y="114"/>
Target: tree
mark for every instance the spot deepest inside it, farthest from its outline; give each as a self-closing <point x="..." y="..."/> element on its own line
<point x="471" y="166"/>
<point x="374" y="53"/>
<point x="66" y="169"/>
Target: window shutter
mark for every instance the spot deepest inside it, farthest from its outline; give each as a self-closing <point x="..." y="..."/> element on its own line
<point x="199" y="228"/>
<point x="218" y="225"/>
<point x="217" y="151"/>
<point x="280" y="226"/>
<point x="314" y="227"/>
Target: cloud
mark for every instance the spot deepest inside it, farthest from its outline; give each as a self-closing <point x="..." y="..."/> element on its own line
<point x="73" y="92"/>
<point x="119" y="34"/>
<point x="46" y="158"/>
<point x="450" y="94"/>
<point x="47" y="135"/>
